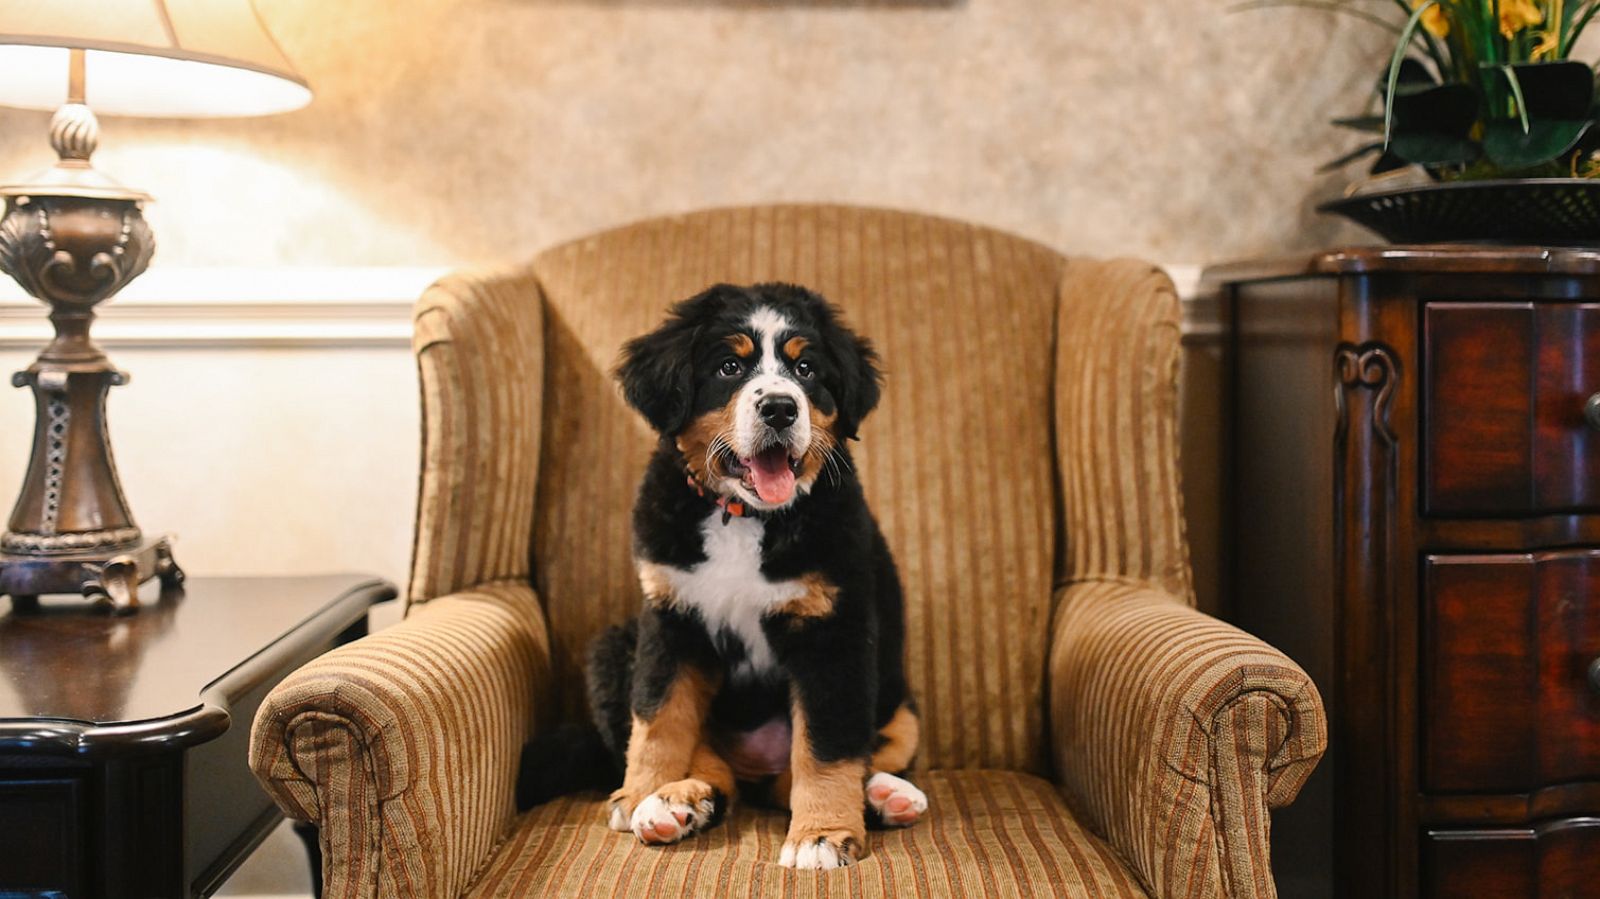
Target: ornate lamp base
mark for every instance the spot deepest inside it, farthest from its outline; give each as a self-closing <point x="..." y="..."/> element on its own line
<point x="110" y="579"/>
<point x="72" y="238"/>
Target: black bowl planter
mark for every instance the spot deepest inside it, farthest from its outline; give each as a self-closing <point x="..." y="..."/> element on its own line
<point x="1523" y="210"/>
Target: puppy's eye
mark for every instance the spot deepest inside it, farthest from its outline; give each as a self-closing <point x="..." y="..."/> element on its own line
<point x="805" y="369"/>
<point x="730" y="368"/>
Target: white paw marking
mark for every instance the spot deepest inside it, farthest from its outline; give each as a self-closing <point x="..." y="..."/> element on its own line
<point x="813" y="855"/>
<point x="897" y="801"/>
<point x="658" y="822"/>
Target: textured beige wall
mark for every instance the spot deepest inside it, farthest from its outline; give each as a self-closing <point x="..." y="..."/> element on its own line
<point x="451" y="131"/>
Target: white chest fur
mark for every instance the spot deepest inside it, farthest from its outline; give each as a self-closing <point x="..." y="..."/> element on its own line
<point x="729" y="590"/>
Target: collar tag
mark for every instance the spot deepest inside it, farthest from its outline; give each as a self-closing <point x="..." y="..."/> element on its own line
<point x="731" y="508"/>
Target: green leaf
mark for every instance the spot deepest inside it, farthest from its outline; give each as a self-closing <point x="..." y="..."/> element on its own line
<point x="1323" y="5"/>
<point x="1406" y="34"/>
<point x="1434" y="149"/>
<point x="1368" y="123"/>
<point x="1562" y="89"/>
<point x="1509" y="147"/>
<point x="1516" y="93"/>
<point x="1581" y="23"/>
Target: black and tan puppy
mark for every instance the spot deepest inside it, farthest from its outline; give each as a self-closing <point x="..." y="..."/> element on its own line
<point x="769" y="649"/>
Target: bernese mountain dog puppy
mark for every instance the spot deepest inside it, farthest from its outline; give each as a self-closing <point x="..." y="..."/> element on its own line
<point x="768" y="652"/>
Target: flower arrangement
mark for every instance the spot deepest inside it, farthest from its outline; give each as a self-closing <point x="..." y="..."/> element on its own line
<point x="1478" y="89"/>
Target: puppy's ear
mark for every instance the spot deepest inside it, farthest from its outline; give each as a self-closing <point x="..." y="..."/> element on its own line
<point x="859" y="379"/>
<point x="657" y="369"/>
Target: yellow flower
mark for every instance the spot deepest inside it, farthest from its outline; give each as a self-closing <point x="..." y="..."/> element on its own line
<point x="1548" y="44"/>
<point x="1437" y="23"/>
<point x="1516" y="15"/>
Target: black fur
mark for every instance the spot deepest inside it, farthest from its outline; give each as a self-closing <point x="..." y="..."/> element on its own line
<point x="844" y="668"/>
<point x="670" y="375"/>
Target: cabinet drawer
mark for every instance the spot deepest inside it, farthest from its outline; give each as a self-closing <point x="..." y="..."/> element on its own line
<point x="1504" y="391"/>
<point x="1552" y="860"/>
<point x="1509" y="644"/>
<point x="43" y="845"/>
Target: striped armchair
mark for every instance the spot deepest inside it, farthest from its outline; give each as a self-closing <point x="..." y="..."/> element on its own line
<point x="1086" y="731"/>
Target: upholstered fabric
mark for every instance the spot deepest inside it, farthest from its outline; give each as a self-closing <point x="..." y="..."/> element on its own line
<point x="479" y="343"/>
<point x="956" y="462"/>
<point x="993" y="833"/>
<point x="1116" y="421"/>
<point x="403" y="747"/>
<point x="1174" y="733"/>
<point x="1023" y="464"/>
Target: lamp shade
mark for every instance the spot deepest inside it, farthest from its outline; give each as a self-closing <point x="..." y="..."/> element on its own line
<point x="170" y="58"/>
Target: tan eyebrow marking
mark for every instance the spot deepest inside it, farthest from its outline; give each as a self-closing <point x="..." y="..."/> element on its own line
<point x="794" y="346"/>
<point x="741" y="344"/>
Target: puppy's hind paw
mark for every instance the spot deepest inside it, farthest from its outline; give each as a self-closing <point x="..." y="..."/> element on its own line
<point x="674" y="812"/>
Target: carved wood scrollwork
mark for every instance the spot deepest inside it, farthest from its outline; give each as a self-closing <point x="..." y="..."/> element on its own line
<point x="1366" y="473"/>
<point x="1372" y="366"/>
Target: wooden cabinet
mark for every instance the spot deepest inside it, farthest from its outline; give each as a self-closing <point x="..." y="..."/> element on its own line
<point x="1414" y="515"/>
<point x="123" y="740"/>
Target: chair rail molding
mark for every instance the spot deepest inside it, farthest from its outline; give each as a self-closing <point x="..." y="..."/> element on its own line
<point x="241" y="307"/>
<point x="301" y="307"/>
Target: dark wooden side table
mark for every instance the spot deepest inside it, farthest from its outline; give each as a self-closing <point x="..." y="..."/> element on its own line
<point x="1415" y="499"/>
<point x="123" y="740"/>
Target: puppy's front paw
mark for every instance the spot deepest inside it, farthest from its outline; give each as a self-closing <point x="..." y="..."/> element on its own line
<point x="896" y="801"/>
<point x="619" y="810"/>
<point x="822" y="849"/>
<point x="675" y="811"/>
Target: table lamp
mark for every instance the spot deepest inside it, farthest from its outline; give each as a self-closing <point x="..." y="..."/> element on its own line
<point x="73" y="236"/>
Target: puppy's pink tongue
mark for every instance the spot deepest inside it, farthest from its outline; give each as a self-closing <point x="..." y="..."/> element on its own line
<point x="773" y="478"/>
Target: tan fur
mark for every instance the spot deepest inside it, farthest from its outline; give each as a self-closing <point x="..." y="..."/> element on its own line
<point x="653" y="580"/>
<point x="816" y="602"/>
<point x="825" y="798"/>
<point x="794" y="346"/>
<point x="696" y="440"/>
<point x="707" y="772"/>
<point x="660" y="750"/>
<point x="741" y="344"/>
<point x="900" y="738"/>
<point x="782" y="786"/>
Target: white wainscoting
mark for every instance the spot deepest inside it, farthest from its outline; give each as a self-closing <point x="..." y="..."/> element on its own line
<point x="271" y="421"/>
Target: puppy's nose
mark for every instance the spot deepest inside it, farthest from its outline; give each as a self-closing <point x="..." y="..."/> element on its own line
<point x="778" y="412"/>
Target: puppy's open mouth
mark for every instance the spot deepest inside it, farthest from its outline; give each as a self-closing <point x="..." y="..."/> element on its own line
<point x="770" y="472"/>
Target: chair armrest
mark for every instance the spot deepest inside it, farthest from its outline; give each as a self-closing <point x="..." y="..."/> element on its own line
<point x="1174" y="733"/>
<point x="403" y="747"/>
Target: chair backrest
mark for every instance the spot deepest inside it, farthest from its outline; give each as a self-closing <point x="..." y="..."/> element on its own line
<point x="957" y="461"/>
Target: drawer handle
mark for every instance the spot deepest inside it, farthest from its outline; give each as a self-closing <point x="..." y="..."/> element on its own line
<point x="1591" y="411"/>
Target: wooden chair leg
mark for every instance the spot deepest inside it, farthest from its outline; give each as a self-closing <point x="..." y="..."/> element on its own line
<point x="308" y="836"/>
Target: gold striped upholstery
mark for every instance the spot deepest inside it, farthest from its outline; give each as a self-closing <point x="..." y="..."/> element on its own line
<point x="479" y="341"/>
<point x="402" y="746"/>
<point x="1174" y="733"/>
<point x="994" y="833"/>
<point x="1023" y="465"/>
<point x="1116" y="419"/>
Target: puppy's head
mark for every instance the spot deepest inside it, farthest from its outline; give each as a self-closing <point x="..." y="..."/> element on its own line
<point x="755" y="385"/>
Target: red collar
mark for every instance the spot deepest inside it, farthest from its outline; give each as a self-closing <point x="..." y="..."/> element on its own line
<point x="731" y="508"/>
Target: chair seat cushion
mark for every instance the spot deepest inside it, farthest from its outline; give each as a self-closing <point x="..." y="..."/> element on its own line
<point x="987" y="833"/>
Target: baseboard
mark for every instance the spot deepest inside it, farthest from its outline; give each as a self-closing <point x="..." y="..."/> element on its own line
<point x="295" y="307"/>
